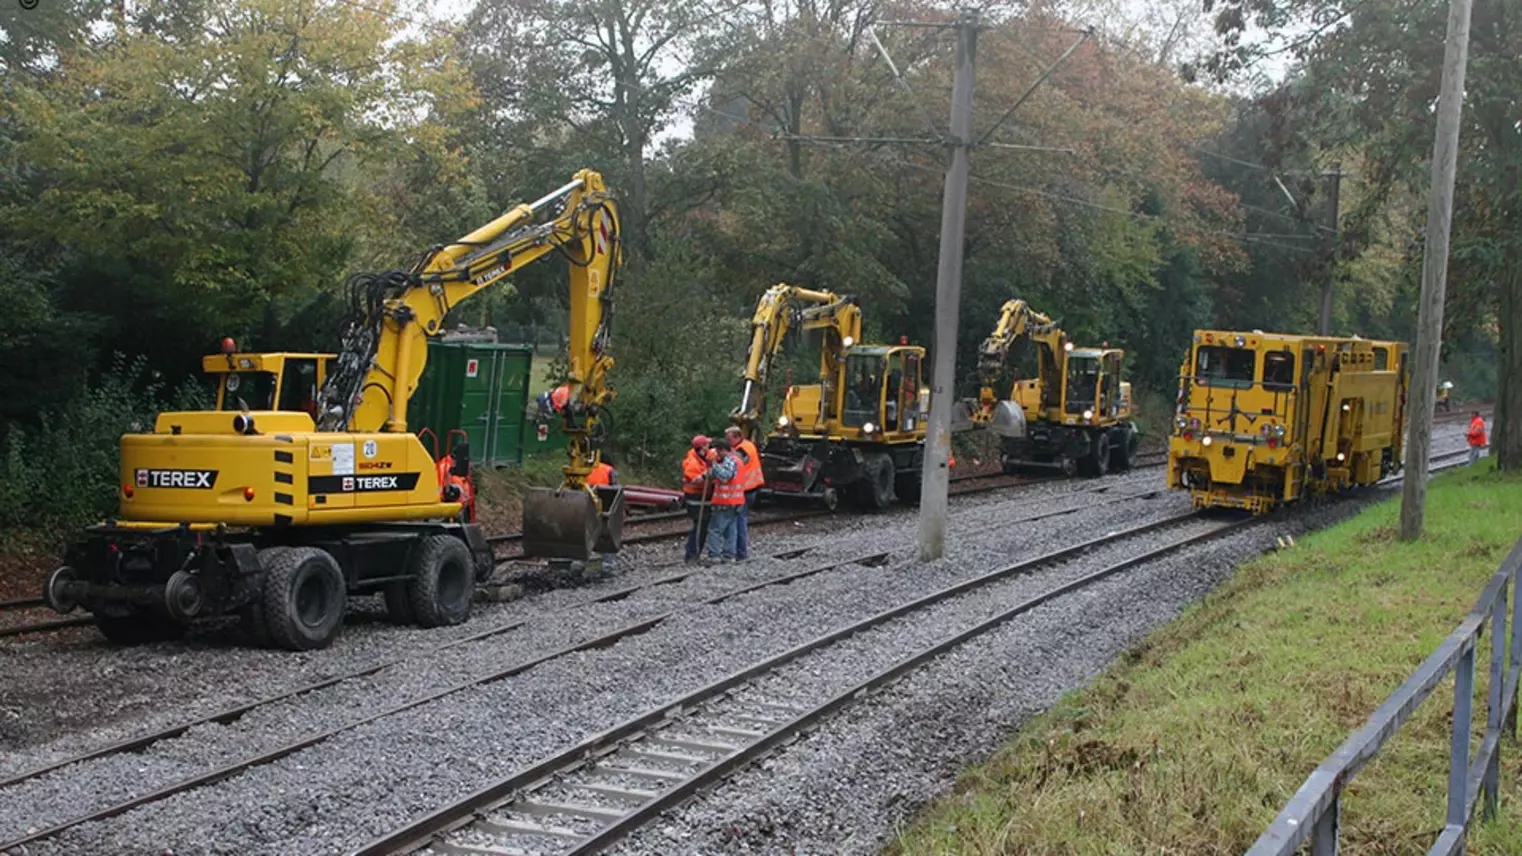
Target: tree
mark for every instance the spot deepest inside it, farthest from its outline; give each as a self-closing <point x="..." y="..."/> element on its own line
<point x="1367" y="79"/>
<point x="212" y="167"/>
<point x="610" y="71"/>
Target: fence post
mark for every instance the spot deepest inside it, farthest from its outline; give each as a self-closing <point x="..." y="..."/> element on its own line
<point x="1463" y="720"/>
<point x="1516" y="645"/>
<point x="1498" y="645"/>
<point x="1324" y="835"/>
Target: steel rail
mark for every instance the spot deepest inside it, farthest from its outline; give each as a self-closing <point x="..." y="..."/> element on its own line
<point x="463" y="813"/>
<point x="434" y="827"/>
<point x="232" y="714"/>
<point x="234" y="768"/>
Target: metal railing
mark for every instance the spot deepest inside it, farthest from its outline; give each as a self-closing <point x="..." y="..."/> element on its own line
<point x="1313" y="812"/>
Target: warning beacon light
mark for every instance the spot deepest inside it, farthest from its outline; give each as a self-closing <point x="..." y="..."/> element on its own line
<point x="228" y="345"/>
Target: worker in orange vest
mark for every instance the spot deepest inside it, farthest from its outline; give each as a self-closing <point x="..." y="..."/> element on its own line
<point x="694" y="485"/>
<point x="751" y="480"/>
<point x="727" y="504"/>
<point x="453" y="471"/>
<point x="603" y="473"/>
<point x="1476" y="436"/>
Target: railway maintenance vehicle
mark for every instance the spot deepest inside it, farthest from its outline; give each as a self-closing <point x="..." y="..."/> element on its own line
<point x="1268" y="418"/>
<point x="860" y="429"/>
<point x="1074" y="415"/>
<point x="276" y="516"/>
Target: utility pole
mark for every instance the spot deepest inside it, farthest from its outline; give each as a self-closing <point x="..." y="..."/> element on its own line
<point x="1334" y="239"/>
<point x="948" y="298"/>
<point x="1429" y="322"/>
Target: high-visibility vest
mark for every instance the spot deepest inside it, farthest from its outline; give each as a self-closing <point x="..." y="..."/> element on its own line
<point x="560" y="396"/>
<point x="730" y="492"/>
<point x="750" y="476"/>
<point x="601" y="474"/>
<point x="1477" y="432"/>
<point x="693" y="468"/>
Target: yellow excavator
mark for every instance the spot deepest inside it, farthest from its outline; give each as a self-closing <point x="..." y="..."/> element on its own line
<point x="1074" y="415"/>
<point x="860" y="429"/>
<point x="277" y="517"/>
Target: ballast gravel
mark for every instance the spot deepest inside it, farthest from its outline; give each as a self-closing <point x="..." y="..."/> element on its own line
<point x="848" y="785"/>
<point x="367" y="780"/>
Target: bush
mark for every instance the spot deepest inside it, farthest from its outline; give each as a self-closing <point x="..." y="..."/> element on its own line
<point x="63" y="472"/>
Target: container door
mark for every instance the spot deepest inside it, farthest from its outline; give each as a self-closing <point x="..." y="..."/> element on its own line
<point x="475" y="400"/>
<point x="512" y="405"/>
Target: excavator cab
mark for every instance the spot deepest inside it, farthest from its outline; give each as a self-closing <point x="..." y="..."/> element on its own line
<point x="279" y="381"/>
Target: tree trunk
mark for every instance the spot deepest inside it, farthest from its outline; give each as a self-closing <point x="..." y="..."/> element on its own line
<point x="1506" y="431"/>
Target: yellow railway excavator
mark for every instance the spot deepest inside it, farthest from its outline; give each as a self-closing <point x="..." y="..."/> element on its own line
<point x="277" y="517"/>
<point x="1075" y="415"/>
<point x="860" y="429"/>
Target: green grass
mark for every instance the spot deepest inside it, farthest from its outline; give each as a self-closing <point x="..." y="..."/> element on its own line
<point x="1195" y="739"/>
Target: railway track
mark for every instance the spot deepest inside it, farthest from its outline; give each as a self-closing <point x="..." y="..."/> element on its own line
<point x="961" y="485"/>
<point x="972" y="483"/>
<point x="586" y="797"/>
<point x="47" y="829"/>
<point x="1078" y="501"/>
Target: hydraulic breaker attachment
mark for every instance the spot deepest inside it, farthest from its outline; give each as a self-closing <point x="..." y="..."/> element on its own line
<point x="562" y="523"/>
<point x="1008" y="420"/>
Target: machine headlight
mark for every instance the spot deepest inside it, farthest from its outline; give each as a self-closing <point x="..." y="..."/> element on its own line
<point x="847" y="341"/>
<point x="1181" y="423"/>
<point x="1279" y="430"/>
<point x="868" y="428"/>
<point x="1067" y="346"/>
<point x="782" y="421"/>
<point x="1241" y="341"/>
<point x="1341" y="456"/>
<point x="1088" y="414"/>
<point x="1204" y="441"/>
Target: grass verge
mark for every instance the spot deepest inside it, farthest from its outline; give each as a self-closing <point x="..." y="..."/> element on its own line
<point x="1196" y="738"/>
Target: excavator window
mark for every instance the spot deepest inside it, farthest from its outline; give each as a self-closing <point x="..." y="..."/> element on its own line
<point x="298" y="387"/>
<point x="1083" y="383"/>
<point x="256" y="389"/>
<point x="863" y="391"/>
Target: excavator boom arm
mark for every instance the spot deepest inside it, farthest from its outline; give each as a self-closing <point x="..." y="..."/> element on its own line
<point x="385" y="348"/>
<point x="781" y="309"/>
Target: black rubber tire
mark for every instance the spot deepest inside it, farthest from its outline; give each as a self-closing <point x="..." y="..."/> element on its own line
<point x="304" y="599"/>
<point x="139" y="627"/>
<point x="907" y="486"/>
<point x="1122" y="450"/>
<point x="1097" y="463"/>
<point x="874" y="491"/>
<point x="398" y="603"/>
<point x="251" y="614"/>
<point x="443" y="580"/>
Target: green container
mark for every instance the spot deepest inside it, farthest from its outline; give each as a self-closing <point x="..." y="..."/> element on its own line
<point x="482" y="388"/>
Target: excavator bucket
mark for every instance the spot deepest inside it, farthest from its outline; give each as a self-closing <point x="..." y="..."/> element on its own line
<point x="961" y="415"/>
<point x="560" y="523"/>
<point x="1008" y="420"/>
